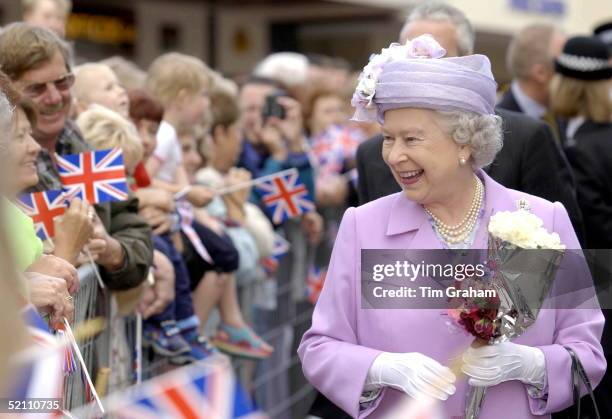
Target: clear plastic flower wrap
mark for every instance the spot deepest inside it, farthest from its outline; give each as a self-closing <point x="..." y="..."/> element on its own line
<point x="523" y="259"/>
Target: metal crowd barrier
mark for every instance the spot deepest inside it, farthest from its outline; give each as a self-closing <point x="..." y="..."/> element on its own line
<point x="277" y="383"/>
<point x="100" y="352"/>
<point x="89" y="302"/>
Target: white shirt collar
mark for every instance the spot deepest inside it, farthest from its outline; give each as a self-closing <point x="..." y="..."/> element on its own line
<point x="573" y="125"/>
<point x="527" y="104"/>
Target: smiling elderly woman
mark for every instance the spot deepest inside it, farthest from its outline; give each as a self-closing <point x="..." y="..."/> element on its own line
<point x="440" y="129"/>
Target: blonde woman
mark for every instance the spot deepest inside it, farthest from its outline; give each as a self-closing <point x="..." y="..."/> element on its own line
<point x="581" y="94"/>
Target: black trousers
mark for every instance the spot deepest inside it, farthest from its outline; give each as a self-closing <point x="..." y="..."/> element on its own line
<point x="323" y="408"/>
<point x="221" y="249"/>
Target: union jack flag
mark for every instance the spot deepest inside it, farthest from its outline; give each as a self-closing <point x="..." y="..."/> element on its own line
<point x="203" y="390"/>
<point x="38" y="329"/>
<point x="285" y="196"/>
<point x="314" y="286"/>
<point x="279" y="249"/>
<point x="95" y="176"/>
<point x="43" y="207"/>
<point x="40" y="376"/>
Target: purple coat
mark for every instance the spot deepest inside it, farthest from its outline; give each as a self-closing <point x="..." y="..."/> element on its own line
<point x="344" y="340"/>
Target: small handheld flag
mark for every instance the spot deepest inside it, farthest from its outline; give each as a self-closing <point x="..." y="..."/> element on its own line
<point x="285" y="196"/>
<point x="43" y="207"/>
<point x="315" y="281"/>
<point x="202" y="390"/>
<point x="94" y="176"/>
<point x="40" y="376"/>
<point x="279" y="249"/>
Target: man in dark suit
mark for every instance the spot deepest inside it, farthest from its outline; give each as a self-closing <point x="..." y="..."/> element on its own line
<point x="530" y="60"/>
<point x="530" y="160"/>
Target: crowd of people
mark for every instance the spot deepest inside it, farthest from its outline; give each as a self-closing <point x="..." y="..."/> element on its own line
<point x="177" y="251"/>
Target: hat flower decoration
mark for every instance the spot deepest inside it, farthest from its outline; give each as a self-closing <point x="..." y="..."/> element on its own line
<point x="424" y="46"/>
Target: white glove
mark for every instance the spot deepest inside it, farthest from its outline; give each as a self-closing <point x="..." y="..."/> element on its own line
<point x="413" y="373"/>
<point x="493" y="364"/>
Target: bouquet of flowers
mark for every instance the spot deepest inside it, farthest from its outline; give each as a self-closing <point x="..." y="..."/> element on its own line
<point x="523" y="259"/>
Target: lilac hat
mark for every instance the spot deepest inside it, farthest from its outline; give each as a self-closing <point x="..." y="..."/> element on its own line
<point x="415" y="75"/>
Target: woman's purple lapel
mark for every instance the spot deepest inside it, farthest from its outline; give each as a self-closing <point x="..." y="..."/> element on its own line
<point x="406" y="216"/>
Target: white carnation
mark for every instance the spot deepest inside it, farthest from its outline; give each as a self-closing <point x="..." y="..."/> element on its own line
<point x="395" y="52"/>
<point x="367" y="86"/>
<point x="523" y="229"/>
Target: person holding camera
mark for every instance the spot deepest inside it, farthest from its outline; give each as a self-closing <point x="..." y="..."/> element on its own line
<point x="274" y="130"/>
<point x="274" y="140"/>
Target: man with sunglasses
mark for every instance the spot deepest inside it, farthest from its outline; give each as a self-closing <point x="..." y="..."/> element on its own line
<point x="38" y="63"/>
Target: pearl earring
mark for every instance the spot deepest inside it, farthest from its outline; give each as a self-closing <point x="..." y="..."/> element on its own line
<point x="462" y="161"/>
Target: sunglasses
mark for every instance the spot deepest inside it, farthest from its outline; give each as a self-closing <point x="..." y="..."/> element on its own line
<point x="38" y="89"/>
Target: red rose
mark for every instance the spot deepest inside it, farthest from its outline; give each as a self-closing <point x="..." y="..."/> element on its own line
<point x="484" y="329"/>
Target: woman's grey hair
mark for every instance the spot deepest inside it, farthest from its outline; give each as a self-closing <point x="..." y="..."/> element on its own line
<point x="6" y="120"/>
<point x="439" y="11"/>
<point x="482" y="133"/>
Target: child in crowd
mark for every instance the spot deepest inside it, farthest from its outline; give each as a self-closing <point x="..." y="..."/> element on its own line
<point x="179" y="83"/>
<point x="172" y="332"/>
<point x="103" y="128"/>
<point x="147" y="115"/>
<point x="222" y="148"/>
<point x="97" y="83"/>
<point x="234" y="336"/>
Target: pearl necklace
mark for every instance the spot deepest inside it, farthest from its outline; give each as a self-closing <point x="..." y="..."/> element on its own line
<point x="454" y="234"/>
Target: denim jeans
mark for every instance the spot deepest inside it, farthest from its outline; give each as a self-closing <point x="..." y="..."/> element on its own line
<point x="182" y="306"/>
